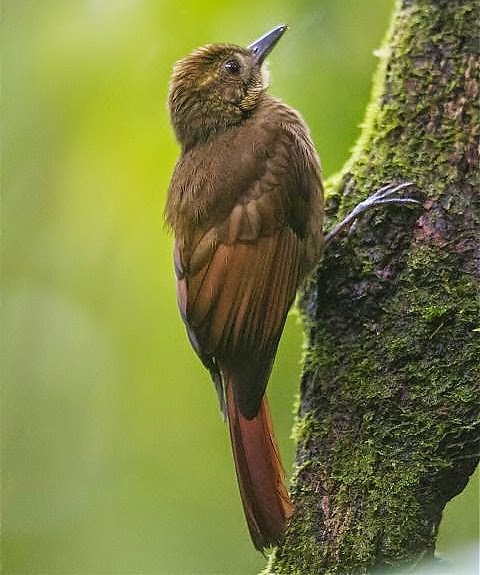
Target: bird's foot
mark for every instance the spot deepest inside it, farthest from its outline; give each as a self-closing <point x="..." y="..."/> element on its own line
<point x="383" y="195"/>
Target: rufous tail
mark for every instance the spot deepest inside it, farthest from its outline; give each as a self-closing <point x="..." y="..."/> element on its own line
<point x="260" y="474"/>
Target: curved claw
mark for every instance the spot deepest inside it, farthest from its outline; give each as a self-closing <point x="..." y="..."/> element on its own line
<point x="381" y="196"/>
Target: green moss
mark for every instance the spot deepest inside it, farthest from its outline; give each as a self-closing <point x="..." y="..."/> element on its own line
<point x="388" y="417"/>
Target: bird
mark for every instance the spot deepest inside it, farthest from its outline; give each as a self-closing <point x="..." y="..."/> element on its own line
<point x="246" y="207"/>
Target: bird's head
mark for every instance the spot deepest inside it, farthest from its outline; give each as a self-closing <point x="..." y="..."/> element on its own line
<point x="218" y="85"/>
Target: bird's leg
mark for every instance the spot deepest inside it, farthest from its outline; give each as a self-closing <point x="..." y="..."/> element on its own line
<point x="381" y="196"/>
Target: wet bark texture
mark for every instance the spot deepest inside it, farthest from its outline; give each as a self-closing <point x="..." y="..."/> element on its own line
<point x="388" y="419"/>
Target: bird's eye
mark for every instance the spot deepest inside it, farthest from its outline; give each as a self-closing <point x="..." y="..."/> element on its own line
<point x="232" y="66"/>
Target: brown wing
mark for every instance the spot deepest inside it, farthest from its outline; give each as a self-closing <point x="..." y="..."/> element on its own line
<point x="238" y="279"/>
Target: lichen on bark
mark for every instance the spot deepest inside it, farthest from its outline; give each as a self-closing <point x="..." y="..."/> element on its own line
<point x="388" y="420"/>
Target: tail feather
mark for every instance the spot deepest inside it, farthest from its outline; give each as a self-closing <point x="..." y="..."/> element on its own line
<point x="260" y="474"/>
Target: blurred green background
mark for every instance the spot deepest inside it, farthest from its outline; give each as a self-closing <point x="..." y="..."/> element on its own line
<point x="115" y="457"/>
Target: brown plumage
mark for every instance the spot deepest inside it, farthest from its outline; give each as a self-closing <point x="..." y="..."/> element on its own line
<point x="246" y="206"/>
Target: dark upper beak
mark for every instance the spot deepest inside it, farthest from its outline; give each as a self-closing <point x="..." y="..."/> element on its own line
<point x="262" y="47"/>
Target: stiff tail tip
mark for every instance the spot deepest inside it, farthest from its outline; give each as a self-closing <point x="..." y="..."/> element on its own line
<point x="266" y="503"/>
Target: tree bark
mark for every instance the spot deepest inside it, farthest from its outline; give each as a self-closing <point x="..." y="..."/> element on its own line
<point x="388" y="419"/>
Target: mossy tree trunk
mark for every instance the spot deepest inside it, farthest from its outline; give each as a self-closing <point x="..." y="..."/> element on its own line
<point x="387" y="424"/>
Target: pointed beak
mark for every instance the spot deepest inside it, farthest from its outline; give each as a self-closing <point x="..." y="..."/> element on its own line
<point x="262" y="47"/>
